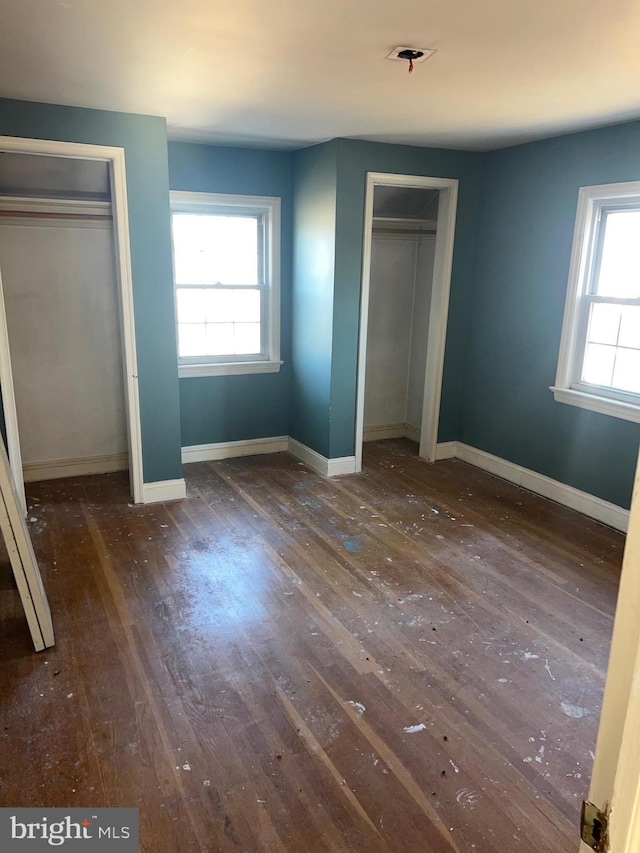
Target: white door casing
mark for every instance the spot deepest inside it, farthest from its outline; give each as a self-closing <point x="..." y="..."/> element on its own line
<point x="439" y="307"/>
<point x="115" y="157"/>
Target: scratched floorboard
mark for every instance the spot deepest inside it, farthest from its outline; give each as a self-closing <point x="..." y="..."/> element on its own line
<point x="243" y="666"/>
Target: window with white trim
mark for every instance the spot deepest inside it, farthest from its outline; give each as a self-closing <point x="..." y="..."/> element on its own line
<point x="599" y="364"/>
<point x="227" y="283"/>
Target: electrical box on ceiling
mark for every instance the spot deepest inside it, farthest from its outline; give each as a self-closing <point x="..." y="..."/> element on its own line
<point x="416" y="54"/>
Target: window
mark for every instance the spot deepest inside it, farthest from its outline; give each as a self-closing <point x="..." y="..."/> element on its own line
<point x="226" y="279"/>
<point x="599" y="364"/>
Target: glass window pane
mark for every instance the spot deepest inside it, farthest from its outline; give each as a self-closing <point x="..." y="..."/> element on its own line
<point x="598" y="364"/>
<point x="630" y="327"/>
<point x="225" y="306"/>
<point x="220" y="339"/>
<point x="604" y="324"/>
<point x="191" y="305"/>
<point x="192" y="339"/>
<point x="626" y="374"/>
<point x="212" y="249"/>
<point x="620" y="263"/>
<point x="247" y="338"/>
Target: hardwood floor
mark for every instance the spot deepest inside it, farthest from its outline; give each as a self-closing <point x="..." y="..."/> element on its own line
<point x="411" y="658"/>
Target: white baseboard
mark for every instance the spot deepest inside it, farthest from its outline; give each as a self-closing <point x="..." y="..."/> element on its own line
<point x="380" y="432"/>
<point x="276" y="444"/>
<point x="164" y="490"/>
<point x="341" y="465"/>
<point x="446" y="449"/>
<point x="319" y="463"/>
<point x="232" y="449"/>
<point x="413" y="433"/>
<point x="81" y="467"/>
<point x="589" y="505"/>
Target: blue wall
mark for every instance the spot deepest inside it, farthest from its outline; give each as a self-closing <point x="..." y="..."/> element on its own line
<point x="237" y="408"/>
<point x="323" y="203"/>
<point x="144" y="141"/>
<point x="526" y="220"/>
<point x="355" y="159"/>
<point x="314" y="240"/>
<point x="516" y="213"/>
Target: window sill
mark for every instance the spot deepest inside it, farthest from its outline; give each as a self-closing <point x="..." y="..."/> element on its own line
<point x="603" y="405"/>
<point x="229" y="368"/>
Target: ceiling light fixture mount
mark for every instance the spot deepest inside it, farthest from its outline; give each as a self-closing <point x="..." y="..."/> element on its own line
<point x="411" y="55"/>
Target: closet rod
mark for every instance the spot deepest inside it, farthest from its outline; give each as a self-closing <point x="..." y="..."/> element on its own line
<point x="414" y="220"/>
<point x="22" y="214"/>
<point x="417" y="232"/>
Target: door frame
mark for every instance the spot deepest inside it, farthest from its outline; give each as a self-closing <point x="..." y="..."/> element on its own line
<point x="115" y="158"/>
<point x="439" y="306"/>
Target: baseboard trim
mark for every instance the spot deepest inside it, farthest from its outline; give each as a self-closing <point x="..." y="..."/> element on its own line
<point x="232" y="449"/>
<point x="81" y="467"/>
<point x="413" y="433"/>
<point x="381" y="432"/>
<point x="341" y="465"/>
<point x="164" y="490"/>
<point x="277" y="444"/>
<point x="446" y="450"/>
<point x="589" y="505"/>
<point x="317" y="462"/>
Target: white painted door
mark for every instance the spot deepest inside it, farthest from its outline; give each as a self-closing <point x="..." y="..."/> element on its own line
<point x="13" y="529"/>
<point x="615" y="782"/>
<point x="9" y="406"/>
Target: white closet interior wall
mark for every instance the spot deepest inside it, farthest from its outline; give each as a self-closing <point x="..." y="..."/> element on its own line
<point x="400" y="294"/>
<point x="61" y="301"/>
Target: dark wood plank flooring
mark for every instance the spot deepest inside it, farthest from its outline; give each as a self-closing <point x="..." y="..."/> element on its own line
<point x="411" y="658"/>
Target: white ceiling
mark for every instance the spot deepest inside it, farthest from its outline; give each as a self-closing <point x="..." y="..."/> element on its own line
<point x="293" y="72"/>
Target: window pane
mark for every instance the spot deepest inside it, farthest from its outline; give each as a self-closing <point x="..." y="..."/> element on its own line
<point x="626" y="373"/>
<point x="630" y="327"/>
<point x="211" y="249"/>
<point x="218" y="321"/>
<point x="604" y="324"/>
<point x="192" y="339"/>
<point x="598" y="364"/>
<point x="233" y="339"/>
<point x="620" y="263"/>
<point x="247" y="338"/>
<point x="229" y="305"/>
<point x="220" y="339"/>
<point x="191" y="305"/>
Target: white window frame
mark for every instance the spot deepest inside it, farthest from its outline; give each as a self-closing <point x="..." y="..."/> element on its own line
<point x="269" y="209"/>
<point x="584" y="263"/>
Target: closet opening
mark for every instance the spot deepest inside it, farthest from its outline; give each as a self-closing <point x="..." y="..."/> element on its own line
<point x="67" y="349"/>
<point x="407" y="254"/>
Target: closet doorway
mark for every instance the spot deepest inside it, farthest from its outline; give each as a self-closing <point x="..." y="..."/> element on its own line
<point x="407" y="254"/>
<point x="67" y="346"/>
